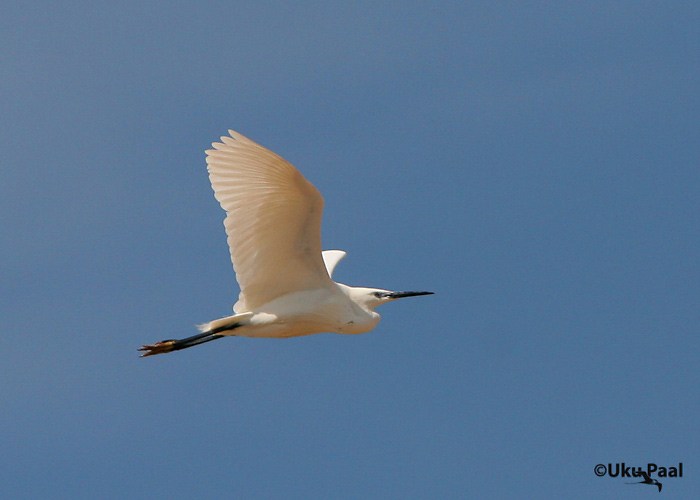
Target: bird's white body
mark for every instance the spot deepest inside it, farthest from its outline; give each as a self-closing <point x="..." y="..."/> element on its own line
<point x="273" y="224"/>
<point x="330" y="309"/>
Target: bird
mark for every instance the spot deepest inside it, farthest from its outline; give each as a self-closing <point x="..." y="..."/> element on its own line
<point x="273" y="228"/>
<point x="648" y="480"/>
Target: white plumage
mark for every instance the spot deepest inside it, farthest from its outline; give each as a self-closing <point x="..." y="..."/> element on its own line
<point x="273" y="224"/>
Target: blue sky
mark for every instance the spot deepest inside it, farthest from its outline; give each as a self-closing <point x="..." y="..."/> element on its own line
<point x="534" y="164"/>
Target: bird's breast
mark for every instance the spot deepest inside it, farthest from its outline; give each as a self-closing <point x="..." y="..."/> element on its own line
<point x="357" y="320"/>
<point x="355" y="327"/>
<point x="309" y="312"/>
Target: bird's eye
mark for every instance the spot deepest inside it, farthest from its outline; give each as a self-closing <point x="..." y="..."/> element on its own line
<point x="379" y="295"/>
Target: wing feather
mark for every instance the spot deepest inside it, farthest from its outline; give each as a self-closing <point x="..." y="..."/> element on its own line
<point x="273" y="221"/>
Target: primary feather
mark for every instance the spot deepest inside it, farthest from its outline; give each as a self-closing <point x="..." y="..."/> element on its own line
<point x="273" y="221"/>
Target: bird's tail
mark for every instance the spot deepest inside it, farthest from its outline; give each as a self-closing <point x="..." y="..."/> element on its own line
<point x="225" y="324"/>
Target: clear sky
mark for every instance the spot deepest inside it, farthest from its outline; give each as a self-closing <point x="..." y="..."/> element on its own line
<point x="534" y="164"/>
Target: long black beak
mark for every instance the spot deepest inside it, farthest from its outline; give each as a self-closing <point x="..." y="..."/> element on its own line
<point x="400" y="295"/>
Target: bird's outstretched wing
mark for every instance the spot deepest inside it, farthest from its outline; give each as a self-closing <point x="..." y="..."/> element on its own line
<point x="331" y="259"/>
<point x="273" y="221"/>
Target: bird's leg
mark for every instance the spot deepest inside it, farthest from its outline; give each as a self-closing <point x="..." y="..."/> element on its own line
<point x="175" y="345"/>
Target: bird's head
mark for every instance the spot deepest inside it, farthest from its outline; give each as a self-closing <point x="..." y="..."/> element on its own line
<point x="373" y="297"/>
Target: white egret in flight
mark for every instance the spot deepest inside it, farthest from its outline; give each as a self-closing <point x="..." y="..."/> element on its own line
<point x="273" y="223"/>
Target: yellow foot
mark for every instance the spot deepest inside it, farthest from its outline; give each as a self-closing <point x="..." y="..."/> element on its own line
<point x="157" y="348"/>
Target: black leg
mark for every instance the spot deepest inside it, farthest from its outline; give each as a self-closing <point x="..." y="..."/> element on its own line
<point x="165" y="346"/>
